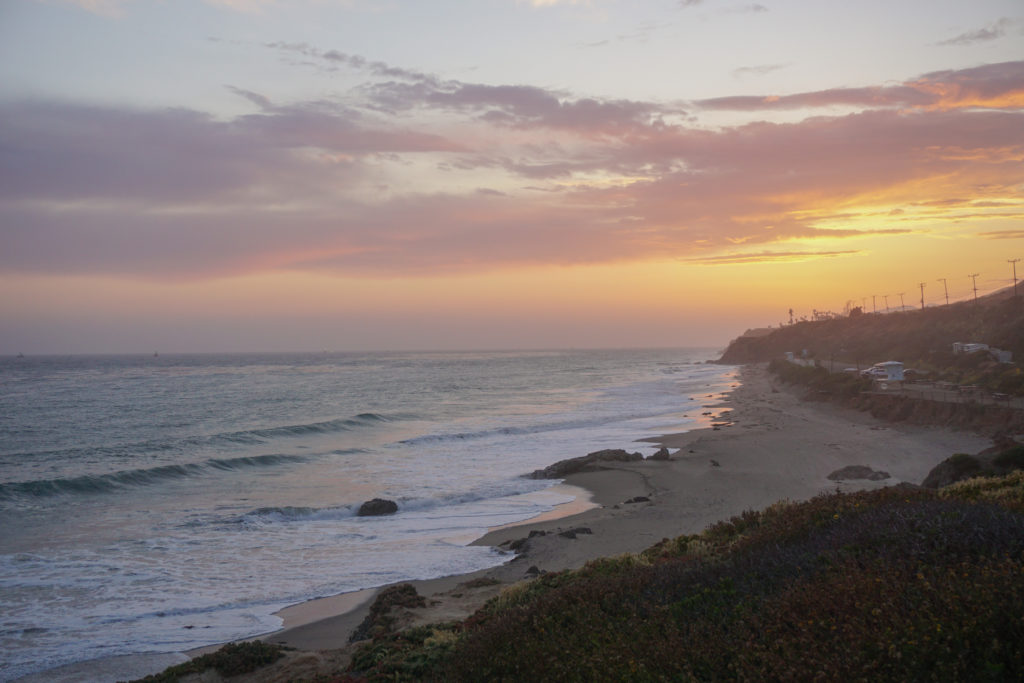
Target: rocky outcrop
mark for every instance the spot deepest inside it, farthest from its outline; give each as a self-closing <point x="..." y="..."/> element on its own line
<point x="382" y="619"/>
<point x="574" y="532"/>
<point x="585" y="463"/>
<point x="662" y="454"/>
<point x="858" y="472"/>
<point x="377" y="506"/>
<point x="1005" y="457"/>
<point x="953" y="469"/>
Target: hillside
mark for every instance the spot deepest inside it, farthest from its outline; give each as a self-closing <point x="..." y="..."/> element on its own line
<point x="894" y="584"/>
<point x="922" y="339"/>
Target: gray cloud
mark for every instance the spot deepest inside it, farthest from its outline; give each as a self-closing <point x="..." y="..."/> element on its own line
<point x="61" y="151"/>
<point x="993" y="32"/>
<point x="760" y="70"/>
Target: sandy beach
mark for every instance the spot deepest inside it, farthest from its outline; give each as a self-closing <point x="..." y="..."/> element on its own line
<point x="768" y="445"/>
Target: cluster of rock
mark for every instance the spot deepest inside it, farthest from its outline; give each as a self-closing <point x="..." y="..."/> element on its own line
<point x="858" y="472"/>
<point x="586" y="463"/>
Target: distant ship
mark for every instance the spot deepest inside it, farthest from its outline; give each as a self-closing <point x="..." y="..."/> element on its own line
<point x="155" y="354"/>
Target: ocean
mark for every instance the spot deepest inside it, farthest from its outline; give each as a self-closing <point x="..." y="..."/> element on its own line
<point x="162" y="503"/>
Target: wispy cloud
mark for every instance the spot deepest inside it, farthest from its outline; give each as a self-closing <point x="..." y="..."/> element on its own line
<point x="335" y="59"/>
<point x="760" y="70"/>
<point x="997" y="86"/>
<point x="751" y="8"/>
<point x="768" y="257"/>
<point x="1002" y="235"/>
<point x="994" y="31"/>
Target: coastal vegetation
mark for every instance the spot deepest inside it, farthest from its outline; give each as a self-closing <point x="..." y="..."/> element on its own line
<point x="234" y="659"/>
<point x="901" y="583"/>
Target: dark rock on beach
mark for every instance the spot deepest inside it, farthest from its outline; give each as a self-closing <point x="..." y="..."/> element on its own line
<point x="585" y="463"/>
<point x="377" y="506"/>
<point x="662" y="454"/>
<point x="858" y="472"/>
<point x="573" y="533"/>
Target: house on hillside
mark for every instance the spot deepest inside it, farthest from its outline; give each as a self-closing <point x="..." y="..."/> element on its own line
<point x="976" y="347"/>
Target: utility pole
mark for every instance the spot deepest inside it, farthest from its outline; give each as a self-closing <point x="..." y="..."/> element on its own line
<point x="901" y="300"/>
<point x="886" y="297"/>
<point x="921" y="285"/>
<point x="945" y="287"/>
<point x="1013" y="262"/>
<point x="874" y="308"/>
<point x="974" y="283"/>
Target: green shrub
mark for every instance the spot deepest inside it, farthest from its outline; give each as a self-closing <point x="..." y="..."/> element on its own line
<point x="1010" y="459"/>
<point x="234" y="659"/>
<point x="894" y="584"/>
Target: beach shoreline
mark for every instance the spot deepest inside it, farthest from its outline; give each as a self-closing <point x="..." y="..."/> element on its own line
<point x="764" y="445"/>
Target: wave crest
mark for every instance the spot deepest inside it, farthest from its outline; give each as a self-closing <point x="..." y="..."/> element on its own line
<point x="114" y="481"/>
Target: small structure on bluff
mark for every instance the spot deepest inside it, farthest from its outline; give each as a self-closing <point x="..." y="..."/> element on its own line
<point x="977" y="347"/>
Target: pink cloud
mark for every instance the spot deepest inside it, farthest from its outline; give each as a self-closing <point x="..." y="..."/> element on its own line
<point x="997" y="86"/>
<point x="180" y="194"/>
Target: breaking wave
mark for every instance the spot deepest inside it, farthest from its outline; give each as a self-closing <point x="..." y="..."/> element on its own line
<point x="125" y="479"/>
<point x="242" y="437"/>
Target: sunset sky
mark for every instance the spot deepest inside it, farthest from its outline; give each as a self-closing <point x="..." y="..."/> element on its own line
<point x="247" y="175"/>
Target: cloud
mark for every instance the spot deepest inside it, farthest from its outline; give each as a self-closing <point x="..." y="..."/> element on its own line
<point x="76" y="152"/>
<point x="485" y="177"/>
<point x="753" y="8"/>
<point x="997" y="86"/>
<point x="768" y="257"/>
<point x="518" y="106"/>
<point x="761" y="70"/>
<point x="333" y="59"/>
<point x="1002" y="235"/>
<point x="982" y="35"/>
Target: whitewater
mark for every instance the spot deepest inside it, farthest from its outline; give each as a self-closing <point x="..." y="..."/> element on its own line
<point x="162" y="503"/>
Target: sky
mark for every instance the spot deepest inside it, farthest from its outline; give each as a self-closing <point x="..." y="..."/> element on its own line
<point x="305" y="175"/>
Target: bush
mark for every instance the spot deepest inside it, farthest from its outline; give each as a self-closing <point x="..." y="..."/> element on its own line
<point x="1010" y="459"/>
<point x="379" y="621"/>
<point x="234" y="659"/>
<point x="894" y="584"/>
